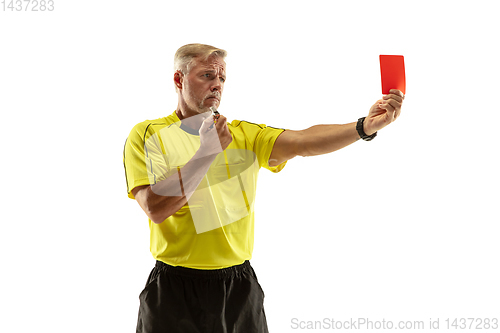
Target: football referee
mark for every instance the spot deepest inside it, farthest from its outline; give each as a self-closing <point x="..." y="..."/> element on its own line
<point x="195" y="174"/>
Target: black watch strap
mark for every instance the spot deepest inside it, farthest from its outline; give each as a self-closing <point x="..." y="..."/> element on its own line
<point x="361" y="131"/>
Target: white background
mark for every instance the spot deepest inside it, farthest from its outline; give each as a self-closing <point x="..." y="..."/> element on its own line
<point x="401" y="228"/>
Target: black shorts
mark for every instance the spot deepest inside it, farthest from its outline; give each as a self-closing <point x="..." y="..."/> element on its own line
<point x="186" y="300"/>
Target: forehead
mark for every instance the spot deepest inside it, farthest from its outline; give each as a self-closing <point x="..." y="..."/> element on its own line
<point x="212" y="63"/>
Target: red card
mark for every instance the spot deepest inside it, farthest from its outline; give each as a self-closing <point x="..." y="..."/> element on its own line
<point x="392" y="71"/>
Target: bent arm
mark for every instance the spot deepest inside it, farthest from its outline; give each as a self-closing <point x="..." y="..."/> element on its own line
<point x="166" y="197"/>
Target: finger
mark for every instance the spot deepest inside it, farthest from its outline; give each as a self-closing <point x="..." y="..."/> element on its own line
<point x="377" y="103"/>
<point x="388" y="107"/>
<point x="221" y="122"/>
<point x="398" y="112"/>
<point x="215" y="119"/>
<point x="221" y="119"/>
<point x="395" y="104"/>
<point x="397" y="92"/>
<point x="393" y="96"/>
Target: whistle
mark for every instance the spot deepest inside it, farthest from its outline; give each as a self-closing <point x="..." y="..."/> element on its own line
<point x="215" y="114"/>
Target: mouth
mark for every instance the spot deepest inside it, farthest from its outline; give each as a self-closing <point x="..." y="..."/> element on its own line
<point x="213" y="97"/>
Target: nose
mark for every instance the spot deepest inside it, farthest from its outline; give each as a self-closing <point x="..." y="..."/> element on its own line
<point x="216" y="86"/>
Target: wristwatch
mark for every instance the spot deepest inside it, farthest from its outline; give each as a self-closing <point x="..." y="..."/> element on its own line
<point x="361" y="131"/>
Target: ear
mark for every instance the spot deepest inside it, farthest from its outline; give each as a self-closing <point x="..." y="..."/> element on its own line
<point x="178" y="78"/>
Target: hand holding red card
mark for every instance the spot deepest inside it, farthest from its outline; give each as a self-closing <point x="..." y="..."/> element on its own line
<point x="387" y="109"/>
<point x="392" y="72"/>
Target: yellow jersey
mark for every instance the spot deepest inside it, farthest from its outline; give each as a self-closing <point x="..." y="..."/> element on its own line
<point x="215" y="229"/>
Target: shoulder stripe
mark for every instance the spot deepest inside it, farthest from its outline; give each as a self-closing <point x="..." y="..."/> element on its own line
<point x="144" y="136"/>
<point x="124" y="165"/>
<point x="248" y="122"/>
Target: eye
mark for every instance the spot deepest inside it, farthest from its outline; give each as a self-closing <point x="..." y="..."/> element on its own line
<point x="223" y="79"/>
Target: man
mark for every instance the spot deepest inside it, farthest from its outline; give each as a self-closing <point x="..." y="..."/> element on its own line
<point x="194" y="175"/>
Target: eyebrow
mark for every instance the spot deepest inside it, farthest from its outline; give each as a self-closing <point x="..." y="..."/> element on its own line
<point x="209" y="70"/>
<point x="223" y="74"/>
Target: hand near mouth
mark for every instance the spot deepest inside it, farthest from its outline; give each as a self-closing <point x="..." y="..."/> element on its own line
<point x="215" y="140"/>
<point x="216" y="115"/>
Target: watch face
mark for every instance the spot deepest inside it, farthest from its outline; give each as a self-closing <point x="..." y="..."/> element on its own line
<point x="370" y="137"/>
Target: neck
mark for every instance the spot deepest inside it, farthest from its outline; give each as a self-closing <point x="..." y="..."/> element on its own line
<point x="191" y="119"/>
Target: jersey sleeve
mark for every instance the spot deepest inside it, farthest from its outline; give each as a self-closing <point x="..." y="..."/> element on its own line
<point x="143" y="159"/>
<point x="264" y="144"/>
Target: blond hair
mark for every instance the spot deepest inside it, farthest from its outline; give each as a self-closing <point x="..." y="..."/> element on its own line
<point x="183" y="59"/>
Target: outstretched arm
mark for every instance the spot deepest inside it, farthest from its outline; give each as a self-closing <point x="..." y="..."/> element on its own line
<point x="323" y="139"/>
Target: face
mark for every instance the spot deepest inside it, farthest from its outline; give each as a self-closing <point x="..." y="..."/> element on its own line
<point x="202" y="87"/>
